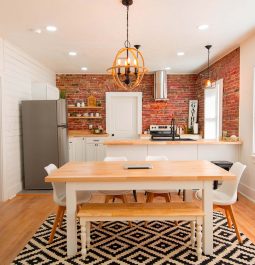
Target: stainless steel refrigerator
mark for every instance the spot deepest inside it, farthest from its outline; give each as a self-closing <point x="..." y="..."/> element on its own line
<point x="45" y="139"/>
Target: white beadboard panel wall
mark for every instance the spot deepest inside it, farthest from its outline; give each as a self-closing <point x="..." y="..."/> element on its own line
<point x="20" y="71"/>
<point x="247" y="83"/>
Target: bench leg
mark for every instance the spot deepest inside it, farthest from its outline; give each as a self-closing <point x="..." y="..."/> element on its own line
<point x="199" y="239"/>
<point x="83" y="238"/>
<point x="88" y="227"/>
<point x="193" y="238"/>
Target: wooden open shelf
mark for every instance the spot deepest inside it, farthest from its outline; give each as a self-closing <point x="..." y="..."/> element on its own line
<point x="84" y="117"/>
<point x="87" y="107"/>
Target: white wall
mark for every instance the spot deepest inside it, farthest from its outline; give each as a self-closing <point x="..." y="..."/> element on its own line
<point x="247" y="64"/>
<point x="19" y="71"/>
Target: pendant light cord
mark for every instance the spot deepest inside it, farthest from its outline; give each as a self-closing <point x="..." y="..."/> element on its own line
<point x="208" y="63"/>
<point x="127" y="27"/>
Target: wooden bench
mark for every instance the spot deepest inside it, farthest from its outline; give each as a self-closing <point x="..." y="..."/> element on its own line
<point x="183" y="211"/>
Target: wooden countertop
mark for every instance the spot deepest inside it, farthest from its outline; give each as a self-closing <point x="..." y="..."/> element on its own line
<point x="197" y="170"/>
<point x="85" y="133"/>
<point x="149" y="142"/>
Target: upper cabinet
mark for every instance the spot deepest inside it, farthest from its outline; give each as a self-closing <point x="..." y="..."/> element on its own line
<point x="41" y="91"/>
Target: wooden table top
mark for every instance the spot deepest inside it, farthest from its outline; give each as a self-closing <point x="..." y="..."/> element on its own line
<point x="161" y="171"/>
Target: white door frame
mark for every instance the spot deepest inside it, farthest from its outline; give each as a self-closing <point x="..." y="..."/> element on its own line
<point x="138" y="95"/>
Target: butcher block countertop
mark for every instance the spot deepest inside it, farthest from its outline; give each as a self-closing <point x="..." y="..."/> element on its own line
<point x="149" y="142"/>
<point x="85" y="133"/>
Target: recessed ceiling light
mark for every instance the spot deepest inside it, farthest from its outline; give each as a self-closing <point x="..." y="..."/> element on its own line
<point x="84" y="68"/>
<point x="168" y="68"/>
<point x="180" y="53"/>
<point x="203" y="27"/>
<point x="51" y="28"/>
<point x="72" y="53"/>
<point x="38" y="31"/>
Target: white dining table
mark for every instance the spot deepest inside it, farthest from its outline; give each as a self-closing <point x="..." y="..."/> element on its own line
<point x="91" y="176"/>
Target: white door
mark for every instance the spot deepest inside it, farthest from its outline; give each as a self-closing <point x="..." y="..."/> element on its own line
<point x="124" y="114"/>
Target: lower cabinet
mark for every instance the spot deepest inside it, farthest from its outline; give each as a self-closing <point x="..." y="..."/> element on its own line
<point x="77" y="147"/>
<point x="95" y="152"/>
<point x="86" y="149"/>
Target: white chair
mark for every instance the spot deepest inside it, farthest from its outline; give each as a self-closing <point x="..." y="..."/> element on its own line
<point x="226" y="195"/>
<point x="59" y="197"/>
<point x="157" y="193"/>
<point x="113" y="194"/>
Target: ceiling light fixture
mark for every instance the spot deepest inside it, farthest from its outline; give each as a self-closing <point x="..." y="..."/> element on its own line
<point x="72" y="53"/>
<point x="51" y="28"/>
<point x="180" y="53"/>
<point x="128" y="66"/>
<point x="208" y="81"/>
<point x="84" y="68"/>
<point x="38" y="31"/>
<point x="168" y="68"/>
<point x="203" y="27"/>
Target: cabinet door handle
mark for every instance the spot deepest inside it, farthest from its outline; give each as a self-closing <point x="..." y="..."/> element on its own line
<point x="95" y="140"/>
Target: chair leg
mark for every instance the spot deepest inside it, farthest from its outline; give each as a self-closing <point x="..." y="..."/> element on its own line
<point x="135" y="195"/>
<point x="150" y="197"/>
<point x="60" y="211"/>
<point x="228" y="218"/>
<point x="61" y="218"/>
<point x="229" y="207"/>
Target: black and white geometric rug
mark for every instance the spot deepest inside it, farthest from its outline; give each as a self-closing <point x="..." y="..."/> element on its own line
<point x="157" y="243"/>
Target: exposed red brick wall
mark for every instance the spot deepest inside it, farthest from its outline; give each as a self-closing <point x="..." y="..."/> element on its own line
<point x="181" y="88"/>
<point x="227" y="68"/>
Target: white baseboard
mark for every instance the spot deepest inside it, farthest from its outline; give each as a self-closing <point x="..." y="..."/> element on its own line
<point x="12" y="191"/>
<point x="247" y="192"/>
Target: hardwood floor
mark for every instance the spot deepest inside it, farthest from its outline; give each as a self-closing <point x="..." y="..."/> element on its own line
<point x="21" y="217"/>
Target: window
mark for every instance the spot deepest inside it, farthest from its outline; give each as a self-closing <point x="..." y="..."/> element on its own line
<point x="213" y="111"/>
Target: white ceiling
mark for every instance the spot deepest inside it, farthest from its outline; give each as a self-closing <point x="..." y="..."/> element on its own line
<point x="96" y="29"/>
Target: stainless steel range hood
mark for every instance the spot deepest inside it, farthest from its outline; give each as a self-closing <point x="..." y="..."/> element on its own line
<point x="160" y="85"/>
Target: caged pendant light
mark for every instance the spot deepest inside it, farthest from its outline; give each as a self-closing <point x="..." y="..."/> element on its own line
<point x="128" y="66"/>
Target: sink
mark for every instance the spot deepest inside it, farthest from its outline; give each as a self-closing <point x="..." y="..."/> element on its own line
<point x="176" y="139"/>
<point x="184" y="139"/>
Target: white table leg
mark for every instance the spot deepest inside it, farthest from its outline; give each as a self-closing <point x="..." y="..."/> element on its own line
<point x="71" y="225"/>
<point x="84" y="232"/>
<point x="208" y="218"/>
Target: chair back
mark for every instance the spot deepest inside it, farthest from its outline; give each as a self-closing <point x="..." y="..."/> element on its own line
<point x="156" y="158"/>
<point x="59" y="189"/>
<point x="115" y="158"/>
<point x="230" y="187"/>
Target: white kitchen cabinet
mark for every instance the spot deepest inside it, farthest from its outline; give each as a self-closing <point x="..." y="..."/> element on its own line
<point x="77" y="149"/>
<point x="43" y="91"/>
<point x="86" y="149"/>
<point x="95" y="149"/>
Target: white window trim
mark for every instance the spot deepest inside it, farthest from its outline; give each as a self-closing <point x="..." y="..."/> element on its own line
<point x="138" y="95"/>
<point x="220" y="104"/>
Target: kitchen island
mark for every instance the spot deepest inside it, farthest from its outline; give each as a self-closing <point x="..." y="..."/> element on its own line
<point x="138" y="149"/>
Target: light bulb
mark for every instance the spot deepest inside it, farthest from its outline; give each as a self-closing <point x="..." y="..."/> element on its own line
<point x="208" y="83"/>
<point x="135" y="62"/>
<point x="119" y="61"/>
<point x="128" y="60"/>
<point x="126" y="63"/>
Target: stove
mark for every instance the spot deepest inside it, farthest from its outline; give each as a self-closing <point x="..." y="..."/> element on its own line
<point x="164" y="132"/>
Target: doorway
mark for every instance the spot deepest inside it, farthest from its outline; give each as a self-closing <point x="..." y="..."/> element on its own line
<point x="124" y="114"/>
